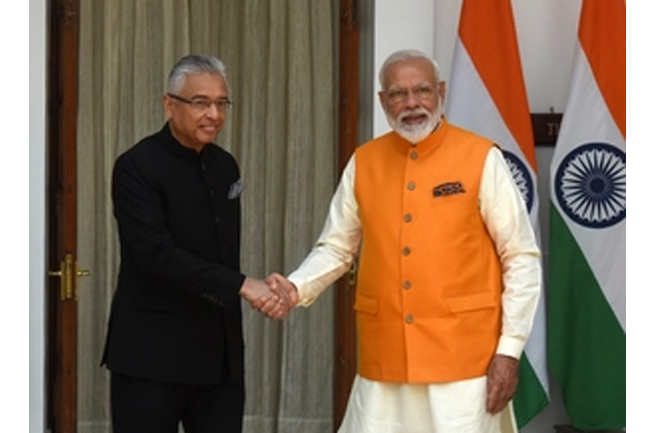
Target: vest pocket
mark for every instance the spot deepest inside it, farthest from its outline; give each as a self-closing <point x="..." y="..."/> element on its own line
<point x="365" y="304"/>
<point x="477" y="301"/>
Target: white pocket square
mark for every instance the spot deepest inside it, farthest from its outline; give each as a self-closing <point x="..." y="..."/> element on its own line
<point x="235" y="189"/>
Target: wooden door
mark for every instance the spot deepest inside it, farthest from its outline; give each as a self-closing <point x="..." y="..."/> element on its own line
<point x="345" y="356"/>
<point x="62" y="218"/>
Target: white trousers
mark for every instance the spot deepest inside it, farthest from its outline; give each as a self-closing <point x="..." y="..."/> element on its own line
<point x="454" y="407"/>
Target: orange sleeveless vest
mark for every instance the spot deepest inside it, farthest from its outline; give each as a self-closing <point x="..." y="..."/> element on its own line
<point x="428" y="296"/>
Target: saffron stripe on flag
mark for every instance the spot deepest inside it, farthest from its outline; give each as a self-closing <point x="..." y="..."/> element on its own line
<point x="488" y="34"/>
<point x="602" y="37"/>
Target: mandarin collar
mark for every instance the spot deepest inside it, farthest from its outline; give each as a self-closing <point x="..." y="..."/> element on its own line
<point x="170" y="143"/>
<point x="436" y="137"/>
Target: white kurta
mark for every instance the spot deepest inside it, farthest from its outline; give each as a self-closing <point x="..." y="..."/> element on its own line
<point x="373" y="405"/>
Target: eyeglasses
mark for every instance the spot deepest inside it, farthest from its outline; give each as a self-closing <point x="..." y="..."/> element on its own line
<point x="200" y="103"/>
<point x="423" y="92"/>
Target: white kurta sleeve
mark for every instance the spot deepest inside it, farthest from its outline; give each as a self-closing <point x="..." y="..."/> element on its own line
<point x="337" y="245"/>
<point x="508" y="223"/>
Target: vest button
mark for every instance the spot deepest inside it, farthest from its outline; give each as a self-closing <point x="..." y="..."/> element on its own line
<point x="410" y="186"/>
<point x="406" y="285"/>
<point x="414" y="155"/>
<point x="408" y="218"/>
<point x="408" y="318"/>
<point x="406" y="251"/>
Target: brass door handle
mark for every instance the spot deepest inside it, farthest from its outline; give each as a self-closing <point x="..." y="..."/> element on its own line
<point x="352" y="274"/>
<point x="68" y="273"/>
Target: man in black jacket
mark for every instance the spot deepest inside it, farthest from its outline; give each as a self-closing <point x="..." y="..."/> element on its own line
<point x="175" y="343"/>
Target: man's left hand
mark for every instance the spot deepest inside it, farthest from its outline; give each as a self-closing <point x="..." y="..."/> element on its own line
<point x="503" y="375"/>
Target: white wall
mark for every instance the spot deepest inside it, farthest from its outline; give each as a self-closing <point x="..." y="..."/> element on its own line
<point x="547" y="39"/>
<point x="37" y="209"/>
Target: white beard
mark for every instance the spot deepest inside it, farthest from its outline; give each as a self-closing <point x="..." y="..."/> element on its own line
<point x="415" y="133"/>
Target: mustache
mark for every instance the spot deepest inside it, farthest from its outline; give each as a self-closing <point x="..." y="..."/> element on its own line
<point x="414" y="112"/>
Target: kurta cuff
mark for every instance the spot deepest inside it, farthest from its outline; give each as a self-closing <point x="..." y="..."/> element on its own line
<point x="510" y="346"/>
<point x="304" y="294"/>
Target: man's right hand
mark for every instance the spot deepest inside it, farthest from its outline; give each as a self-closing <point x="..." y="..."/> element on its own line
<point x="283" y="287"/>
<point x="259" y="295"/>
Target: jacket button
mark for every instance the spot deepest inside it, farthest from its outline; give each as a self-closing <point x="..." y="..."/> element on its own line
<point x="408" y="218"/>
<point x="408" y="319"/>
<point x="406" y="251"/>
<point x="406" y="285"/>
<point x="410" y="186"/>
<point x="414" y="155"/>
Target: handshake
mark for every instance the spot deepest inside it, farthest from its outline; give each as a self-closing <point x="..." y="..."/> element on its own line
<point x="274" y="297"/>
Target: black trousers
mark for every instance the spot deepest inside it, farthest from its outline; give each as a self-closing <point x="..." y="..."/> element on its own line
<point x="140" y="405"/>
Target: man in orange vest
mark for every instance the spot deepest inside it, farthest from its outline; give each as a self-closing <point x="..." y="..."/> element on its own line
<point x="448" y="267"/>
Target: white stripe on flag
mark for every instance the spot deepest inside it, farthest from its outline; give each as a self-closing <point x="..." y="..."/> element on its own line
<point x="587" y="120"/>
<point x="484" y="118"/>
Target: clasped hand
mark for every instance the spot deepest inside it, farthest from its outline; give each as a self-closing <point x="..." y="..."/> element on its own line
<point x="274" y="297"/>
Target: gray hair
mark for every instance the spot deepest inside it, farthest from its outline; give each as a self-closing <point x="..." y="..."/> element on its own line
<point x="194" y="64"/>
<point x="403" y="55"/>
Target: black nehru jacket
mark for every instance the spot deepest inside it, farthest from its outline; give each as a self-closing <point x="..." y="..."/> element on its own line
<point x="176" y="314"/>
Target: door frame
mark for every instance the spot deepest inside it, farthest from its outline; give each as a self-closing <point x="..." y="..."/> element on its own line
<point x="60" y="298"/>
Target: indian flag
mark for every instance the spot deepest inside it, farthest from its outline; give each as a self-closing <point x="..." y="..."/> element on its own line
<point x="487" y="95"/>
<point x="587" y="261"/>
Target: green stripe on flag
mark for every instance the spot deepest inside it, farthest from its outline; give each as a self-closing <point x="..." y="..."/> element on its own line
<point x="531" y="397"/>
<point x="586" y="342"/>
